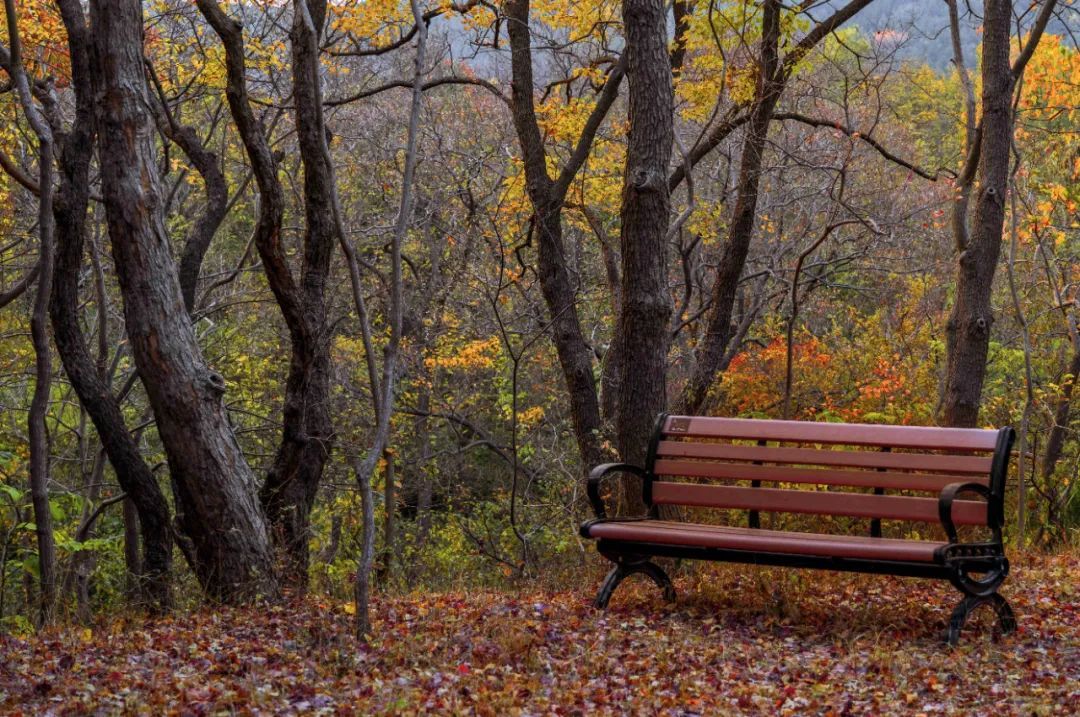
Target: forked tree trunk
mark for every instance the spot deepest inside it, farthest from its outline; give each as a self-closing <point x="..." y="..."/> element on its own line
<point x="215" y="485"/>
<point x="86" y="375"/>
<point x="548" y="197"/>
<point x="307" y="432"/>
<point x="969" y="325"/>
<point x="968" y="329"/>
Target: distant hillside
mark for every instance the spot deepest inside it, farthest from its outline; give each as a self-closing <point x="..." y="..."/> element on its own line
<point x="924" y="25"/>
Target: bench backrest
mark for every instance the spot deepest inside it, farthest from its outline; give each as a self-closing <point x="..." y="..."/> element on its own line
<point x="838" y="455"/>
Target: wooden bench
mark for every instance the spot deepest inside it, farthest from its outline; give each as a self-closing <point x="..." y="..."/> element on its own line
<point x="847" y="471"/>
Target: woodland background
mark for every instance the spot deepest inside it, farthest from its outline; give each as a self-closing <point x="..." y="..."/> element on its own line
<point x="348" y="296"/>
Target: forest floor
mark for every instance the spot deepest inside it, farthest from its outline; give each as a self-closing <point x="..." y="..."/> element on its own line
<point x="739" y="640"/>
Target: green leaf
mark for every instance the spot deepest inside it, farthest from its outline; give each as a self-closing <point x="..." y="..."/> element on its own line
<point x="31" y="565"/>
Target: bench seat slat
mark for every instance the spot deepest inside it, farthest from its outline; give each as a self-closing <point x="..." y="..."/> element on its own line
<point x="784" y="474"/>
<point x="929" y="438"/>
<point x="965" y="512"/>
<point x="772" y="541"/>
<point x="936" y="463"/>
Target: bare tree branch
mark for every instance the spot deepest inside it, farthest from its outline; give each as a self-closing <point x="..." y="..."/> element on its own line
<point x="429" y="85"/>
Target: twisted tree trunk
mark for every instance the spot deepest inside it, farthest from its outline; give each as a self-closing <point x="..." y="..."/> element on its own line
<point x="214" y="482"/>
<point x="86" y="375"/>
<point x="307" y="431"/>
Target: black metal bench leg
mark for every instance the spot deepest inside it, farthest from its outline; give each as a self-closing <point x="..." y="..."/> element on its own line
<point x="622" y="570"/>
<point x="1006" y="619"/>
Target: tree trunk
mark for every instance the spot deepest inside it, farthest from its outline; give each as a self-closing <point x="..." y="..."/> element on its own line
<point x="39" y="404"/>
<point x="208" y="165"/>
<point x="383" y="390"/>
<point x="1055" y="442"/>
<point x="718" y="330"/>
<point x="132" y="557"/>
<point x="1056" y="492"/>
<point x="682" y="12"/>
<point x="968" y="329"/>
<point x="575" y="355"/>
<point x="83" y="561"/>
<point x="646" y="206"/>
<point x="389" y="514"/>
<point x="39" y="330"/>
<point x="713" y="351"/>
<point x="215" y="484"/>
<point x="86" y="374"/>
<point x="307" y="431"/>
<point x="547" y="197"/>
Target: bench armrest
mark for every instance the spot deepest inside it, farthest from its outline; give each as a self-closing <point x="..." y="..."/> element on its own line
<point x="945" y="503"/>
<point x="597" y="475"/>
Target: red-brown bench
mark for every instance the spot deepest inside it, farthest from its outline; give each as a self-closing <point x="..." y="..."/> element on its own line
<point x="900" y="474"/>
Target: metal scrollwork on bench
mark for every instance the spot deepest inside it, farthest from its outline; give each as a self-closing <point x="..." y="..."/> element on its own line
<point x="1005" y="619"/>
<point x="627" y="566"/>
<point x="960" y="552"/>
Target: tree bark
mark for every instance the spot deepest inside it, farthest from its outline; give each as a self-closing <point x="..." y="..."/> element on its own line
<point x="214" y="482"/>
<point x="971" y="319"/>
<point x="86" y="374"/>
<point x="968" y="328"/>
<point x="307" y="431"/>
<point x="718" y="330"/>
<point x="547" y="197"/>
<point x="646" y="206"/>
<point x="39" y="331"/>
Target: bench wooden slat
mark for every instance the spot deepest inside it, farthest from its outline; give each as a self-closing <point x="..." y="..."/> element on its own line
<point x="930" y="438"/>
<point x="935" y="463"/>
<point x="757" y="539"/>
<point x="784" y="474"/>
<point x="965" y="512"/>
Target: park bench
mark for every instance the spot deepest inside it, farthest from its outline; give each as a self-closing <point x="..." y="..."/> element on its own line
<point x="848" y="471"/>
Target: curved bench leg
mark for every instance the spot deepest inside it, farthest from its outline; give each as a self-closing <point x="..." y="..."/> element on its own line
<point x="623" y="570"/>
<point x="1005" y="617"/>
